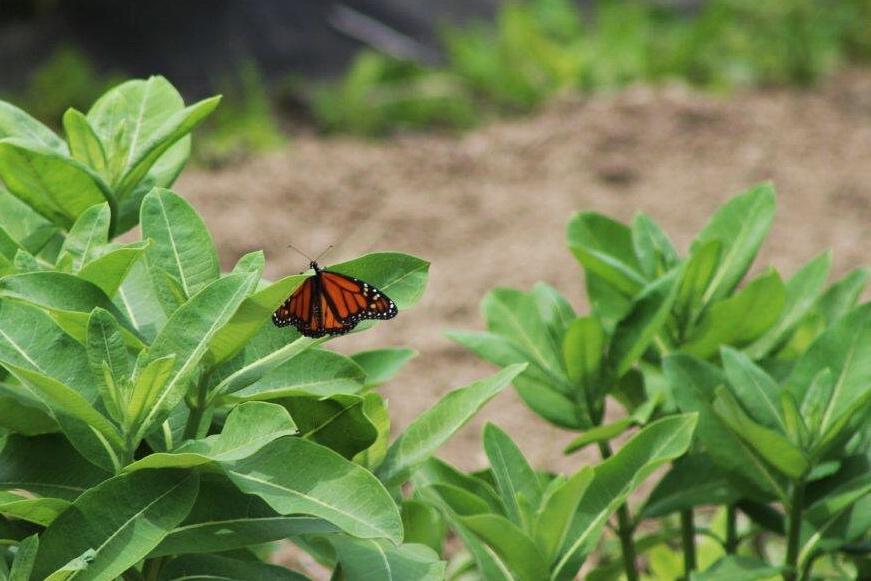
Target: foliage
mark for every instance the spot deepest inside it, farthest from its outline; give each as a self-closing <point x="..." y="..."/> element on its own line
<point x="774" y="371"/>
<point x="536" y="49"/>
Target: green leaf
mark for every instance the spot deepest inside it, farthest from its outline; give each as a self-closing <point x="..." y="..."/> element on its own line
<point x="187" y="335"/>
<point x="511" y="544"/>
<point x="380" y="365"/>
<point x="41" y="511"/>
<point x="655" y="252"/>
<point x="137" y="299"/>
<point x="312" y="372"/>
<point x="583" y="349"/>
<point x="108" y="358"/>
<point x="518" y="484"/>
<point x="694" y="279"/>
<point x="608" y="305"/>
<point x="253" y="262"/>
<point x="844" y="348"/>
<point x="436" y="425"/>
<point x="182" y="244"/>
<point x="740" y="225"/>
<point x="224" y="519"/>
<point x="694" y="480"/>
<point x="56" y="186"/>
<point x="248" y="428"/>
<point x="438" y="472"/>
<point x="146" y="385"/>
<point x="85" y="146"/>
<point x="22" y="413"/>
<point x="423" y="524"/>
<point x="121" y="520"/>
<point x="658" y="443"/>
<point x="604" y="248"/>
<point x="739" y="319"/>
<point x="86" y="238"/>
<point x="25" y="558"/>
<point x="46" y="466"/>
<point x="601" y="433"/>
<point x="109" y="271"/>
<point x="14" y="122"/>
<point x="635" y="333"/>
<point x="554" y="310"/>
<point x="23" y="224"/>
<point x="374" y="559"/>
<point x="755" y="389"/>
<point x="401" y="277"/>
<point x="220" y="568"/>
<point x="770" y="445"/>
<point x="693" y="382"/>
<point x="557" y="508"/>
<point x="329" y="487"/>
<point x="842" y="296"/>
<point x="145" y="153"/>
<point x="737" y="568"/>
<point x="802" y="292"/>
<point x="337" y="422"/>
<point x="375" y="411"/>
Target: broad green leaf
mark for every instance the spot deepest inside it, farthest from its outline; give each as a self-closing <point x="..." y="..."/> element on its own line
<point x="108" y="358"/>
<point x="769" y="444"/>
<point x="615" y="478"/>
<point x="25" y="558"/>
<point x="121" y="520"/>
<point x="375" y="410"/>
<point x="845" y="349"/>
<point x="329" y="487"/>
<point x="375" y="559"/>
<point x="8" y="246"/>
<point x="739" y="319"/>
<point x="518" y="484"/>
<point x="23" y="224"/>
<point x="248" y="428"/>
<point x="86" y="238"/>
<point x="423" y="524"/>
<point x="435" y="472"/>
<point x="842" y="296"/>
<point x="641" y="327"/>
<point x="740" y="225"/>
<point x="738" y="568"/>
<point x="436" y="425"/>
<point x="655" y="252"/>
<point x="41" y="511"/>
<point x="604" y="248"/>
<point x="583" y="349"/>
<point x="601" y="433"/>
<point x="694" y="279"/>
<point x="608" y="305"/>
<point x="56" y="186"/>
<point x="84" y="144"/>
<point x="693" y="382"/>
<point x="22" y="413"/>
<point x="557" y="508"/>
<point x="167" y="288"/>
<point x="221" y="568"/>
<point x="552" y="405"/>
<point x="72" y="568"/>
<point x="29" y="338"/>
<point x="514" y="315"/>
<point x="802" y="292"/>
<point x="145" y="387"/>
<point x="337" y="422"/>
<point x="311" y="372"/>
<point x="694" y="480"/>
<point x="109" y="270"/>
<point x="400" y="276"/>
<point x="14" y="122"/>
<point x="46" y="466"/>
<point x="137" y="300"/>
<point x="186" y="335"/>
<point x="461" y="501"/>
<point x="146" y="151"/>
<point x="380" y="365"/>
<point x="254" y="312"/>
<point x="253" y="262"/>
<point x="511" y="544"/>
<point x="224" y="519"/>
<point x="554" y="310"/>
<point x="182" y="245"/>
<point x="6" y="266"/>
<point x="755" y="389"/>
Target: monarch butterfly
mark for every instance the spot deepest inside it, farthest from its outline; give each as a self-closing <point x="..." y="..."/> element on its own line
<point x="330" y="303"/>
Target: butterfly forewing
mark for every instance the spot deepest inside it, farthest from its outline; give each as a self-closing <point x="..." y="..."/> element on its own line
<point x="330" y="303"/>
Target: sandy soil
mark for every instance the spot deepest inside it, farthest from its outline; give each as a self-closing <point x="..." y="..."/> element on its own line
<point x="489" y="208"/>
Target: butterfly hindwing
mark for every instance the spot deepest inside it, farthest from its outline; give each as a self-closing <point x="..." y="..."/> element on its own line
<point x="331" y="303"/>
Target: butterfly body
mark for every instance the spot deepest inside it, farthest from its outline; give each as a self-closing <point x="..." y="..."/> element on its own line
<point x="330" y="303"/>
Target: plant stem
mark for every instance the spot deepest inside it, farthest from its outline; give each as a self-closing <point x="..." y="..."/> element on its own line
<point x="687" y="528"/>
<point x="731" y="529"/>
<point x="794" y="532"/>
<point x="192" y="427"/>
<point x="624" y="528"/>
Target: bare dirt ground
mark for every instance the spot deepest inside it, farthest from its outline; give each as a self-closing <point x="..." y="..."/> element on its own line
<point x="489" y="208"/>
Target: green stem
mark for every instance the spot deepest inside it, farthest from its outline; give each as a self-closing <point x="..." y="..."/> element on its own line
<point x="687" y="528"/>
<point x="624" y="528"/>
<point x="192" y="427"/>
<point x="731" y="529"/>
<point x="794" y="532"/>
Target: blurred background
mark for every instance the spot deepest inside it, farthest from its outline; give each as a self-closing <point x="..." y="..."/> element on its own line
<point x="468" y="131"/>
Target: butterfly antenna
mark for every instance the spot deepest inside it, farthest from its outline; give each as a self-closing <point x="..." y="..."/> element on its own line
<point x="330" y="247"/>
<point x="300" y="251"/>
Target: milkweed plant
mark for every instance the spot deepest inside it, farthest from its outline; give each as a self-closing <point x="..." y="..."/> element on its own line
<point x="154" y="424"/>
